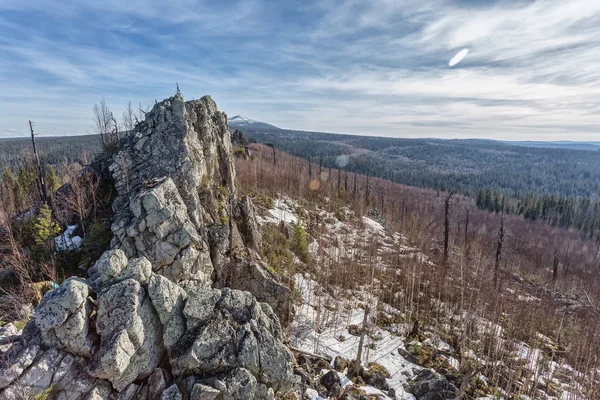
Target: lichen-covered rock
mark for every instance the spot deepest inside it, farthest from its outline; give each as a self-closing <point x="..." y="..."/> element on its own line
<point x="131" y="335"/>
<point x="12" y="368"/>
<point x="168" y="300"/>
<point x="59" y="304"/>
<point x="204" y="392"/>
<point x="254" y="278"/>
<point x="238" y="334"/>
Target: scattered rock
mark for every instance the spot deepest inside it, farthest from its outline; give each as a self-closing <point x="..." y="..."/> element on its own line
<point x="428" y="385"/>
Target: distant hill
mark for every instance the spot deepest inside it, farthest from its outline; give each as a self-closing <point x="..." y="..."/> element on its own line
<point x="561" y="144"/>
<point x="463" y="165"/>
<point x="240" y="121"/>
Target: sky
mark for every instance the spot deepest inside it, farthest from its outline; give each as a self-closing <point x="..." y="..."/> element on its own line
<point x="374" y="67"/>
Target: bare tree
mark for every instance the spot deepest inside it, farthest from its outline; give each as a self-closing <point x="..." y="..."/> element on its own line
<point x="104" y="124"/>
<point x="82" y="199"/>
<point x="128" y="118"/>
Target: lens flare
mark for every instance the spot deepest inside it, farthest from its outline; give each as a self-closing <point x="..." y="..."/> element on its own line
<point x="314" y="184"/>
<point x="458" y="57"/>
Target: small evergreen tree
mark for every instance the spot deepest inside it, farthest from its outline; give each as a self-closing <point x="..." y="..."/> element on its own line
<point x="45" y="226"/>
<point x="52" y="180"/>
<point x="300" y="241"/>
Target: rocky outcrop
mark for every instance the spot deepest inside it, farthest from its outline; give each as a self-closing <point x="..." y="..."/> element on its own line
<point x="182" y="305"/>
<point x="143" y="323"/>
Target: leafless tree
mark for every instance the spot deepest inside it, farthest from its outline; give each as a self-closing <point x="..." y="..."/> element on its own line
<point x="104" y="124"/>
<point x="128" y="121"/>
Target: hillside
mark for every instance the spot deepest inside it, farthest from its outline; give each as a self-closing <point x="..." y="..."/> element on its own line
<point x="375" y="245"/>
<point x="461" y="165"/>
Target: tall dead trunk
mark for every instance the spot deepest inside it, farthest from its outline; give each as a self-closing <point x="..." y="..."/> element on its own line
<point x="447" y="227"/>
<point x="40" y="170"/>
<point x="363" y="331"/>
<point x="320" y="166"/>
<point x="499" y="251"/>
<point x="555" y="266"/>
<point x="467" y="229"/>
<point x="368" y="193"/>
<point x="566" y="263"/>
<point x="345" y="182"/>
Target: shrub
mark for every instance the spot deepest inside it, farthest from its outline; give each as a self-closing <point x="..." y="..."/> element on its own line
<point x="300" y="241"/>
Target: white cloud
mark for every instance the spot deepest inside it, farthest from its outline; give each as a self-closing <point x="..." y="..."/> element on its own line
<point x="355" y="66"/>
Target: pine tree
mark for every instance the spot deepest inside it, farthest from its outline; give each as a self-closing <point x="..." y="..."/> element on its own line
<point x="46" y="227"/>
<point x="52" y="180"/>
<point x="300" y="241"/>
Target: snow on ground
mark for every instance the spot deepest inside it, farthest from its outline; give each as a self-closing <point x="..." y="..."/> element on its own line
<point x="66" y="241"/>
<point x="325" y="331"/>
<point x="283" y="210"/>
<point x="322" y="320"/>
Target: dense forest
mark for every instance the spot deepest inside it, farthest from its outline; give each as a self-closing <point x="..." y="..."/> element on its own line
<point x="461" y="165"/>
<point x="558" y="186"/>
<point x="14" y="153"/>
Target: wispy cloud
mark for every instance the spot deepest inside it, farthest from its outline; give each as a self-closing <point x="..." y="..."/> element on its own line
<point x="352" y="66"/>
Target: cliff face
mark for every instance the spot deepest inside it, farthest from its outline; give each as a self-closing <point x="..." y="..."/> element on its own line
<point x="161" y="313"/>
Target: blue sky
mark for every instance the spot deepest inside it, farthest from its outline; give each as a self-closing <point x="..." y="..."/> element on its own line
<point x="377" y="67"/>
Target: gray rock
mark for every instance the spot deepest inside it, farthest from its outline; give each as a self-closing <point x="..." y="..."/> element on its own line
<point x="200" y="305"/>
<point x="16" y="364"/>
<point x="168" y="300"/>
<point x="131" y="335"/>
<point x="254" y="278"/>
<point x="101" y="391"/>
<point x="107" y="268"/>
<point x="156" y="384"/>
<point x="171" y="393"/>
<point x="239" y="334"/>
<point x="204" y="392"/>
<point x="428" y="385"/>
<point x="241" y="385"/>
<point x="39" y="376"/>
<point x="174" y="217"/>
<point x="59" y="304"/>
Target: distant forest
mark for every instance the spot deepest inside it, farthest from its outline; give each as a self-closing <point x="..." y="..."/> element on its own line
<point x="57" y="150"/>
<point x="558" y="186"/>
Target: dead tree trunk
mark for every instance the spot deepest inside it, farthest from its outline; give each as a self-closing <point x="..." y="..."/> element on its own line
<point x="309" y="170"/>
<point x="363" y="331"/>
<point x="447" y="227"/>
<point x="40" y="170"/>
<point x="368" y="193"/>
<point x="499" y="251"/>
<point x="346" y="181"/>
<point x="467" y="229"/>
<point x="320" y="165"/>
<point x="339" y="180"/>
<point x="566" y="263"/>
<point x="555" y="267"/>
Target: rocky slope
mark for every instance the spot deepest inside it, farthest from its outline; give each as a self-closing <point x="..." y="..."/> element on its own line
<point x="182" y="305"/>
